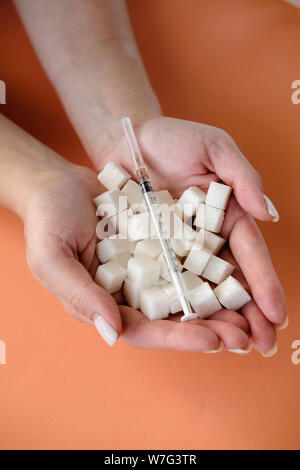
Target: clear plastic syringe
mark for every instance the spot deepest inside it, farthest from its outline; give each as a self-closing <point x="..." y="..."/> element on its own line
<point x="142" y="176"/>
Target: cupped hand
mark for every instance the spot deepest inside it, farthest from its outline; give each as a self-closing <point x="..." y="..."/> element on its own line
<point x="180" y="154"/>
<point x="60" y="225"/>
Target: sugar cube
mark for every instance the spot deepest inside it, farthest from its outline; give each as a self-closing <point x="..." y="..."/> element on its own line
<point x="110" y="276"/>
<point x="181" y="246"/>
<point x="144" y="270"/>
<point x="172" y="300"/>
<point x="164" y="272"/>
<point x="132" y="293"/>
<point x="138" y="208"/>
<point x="204" y="301"/>
<point x="209" y="218"/>
<point x="191" y="280"/>
<point x="217" y="269"/>
<point x="148" y="247"/>
<point x="197" y="259"/>
<point x="110" y="247"/>
<point x="154" y="304"/>
<point x="210" y="240"/>
<point x="164" y="197"/>
<point x="113" y="175"/>
<point x="140" y="227"/>
<point x="218" y="195"/>
<point x="190" y="199"/>
<point x="232" y="294"/>
<point x="106" y="228"/>
<point x="122" y="259"/>
<point x="110" y="203"/>
<point x="133" y="192"/>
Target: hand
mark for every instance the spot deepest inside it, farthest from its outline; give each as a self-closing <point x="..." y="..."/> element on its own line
<point x="60" y="223"/>
<point x="180" y="154"/>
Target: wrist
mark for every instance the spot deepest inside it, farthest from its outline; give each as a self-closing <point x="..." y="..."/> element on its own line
<point x="105" y="84"/>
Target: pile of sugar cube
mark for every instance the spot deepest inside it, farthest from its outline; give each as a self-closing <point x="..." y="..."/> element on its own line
<point x="130" y="255"/>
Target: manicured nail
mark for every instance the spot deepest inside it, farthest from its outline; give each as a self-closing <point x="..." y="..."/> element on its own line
<point x="284" y="324"/>
<point x="107" y="332"/>
<point x="219" y="349"/>
<point x="271" y="352"/>
<point x="271" y="209"/>
<point x="247" y="350"/>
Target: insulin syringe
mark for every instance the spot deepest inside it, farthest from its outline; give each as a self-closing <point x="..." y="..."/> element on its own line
<point x="142" y="176"/>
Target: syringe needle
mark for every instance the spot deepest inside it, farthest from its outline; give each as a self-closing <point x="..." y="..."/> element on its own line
<point x="141" y="173"/>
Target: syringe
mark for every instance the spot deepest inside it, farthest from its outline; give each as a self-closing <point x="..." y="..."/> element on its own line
<point x="142" y="176"/>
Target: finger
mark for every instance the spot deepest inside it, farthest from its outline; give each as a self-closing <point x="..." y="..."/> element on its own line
<point x="63" y="275"/>
<point x="258" y="324"/>
<point x="235" y="170"/>
<point x="233" y="338"/>
<point x="165" y="334"/>
<point x="251" y="253"/>
<point x="229" y="316"/>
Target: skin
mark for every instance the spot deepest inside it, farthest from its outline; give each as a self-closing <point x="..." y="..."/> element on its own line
<point x="99" y="77"/>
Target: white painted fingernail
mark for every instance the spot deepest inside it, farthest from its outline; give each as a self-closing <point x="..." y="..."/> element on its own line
<point x="271" y="352"/>
<point x="219" y="349"/>
<point x="271" y="209"/>
<point x="247" y="350"/>
<point x="107" y="332"/>
<point x="284" y="324"/>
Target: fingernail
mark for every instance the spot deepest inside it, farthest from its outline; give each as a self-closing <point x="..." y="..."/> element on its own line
<point x="247" y="350"/>
<point x="283" y="325"/>
<point x="107" y="332"/>
<point x="271" y="352"/>
<point x="271" y="209"/>
<point x="219" y="349"/>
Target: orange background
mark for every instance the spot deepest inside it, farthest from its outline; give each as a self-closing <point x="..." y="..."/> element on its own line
<point x="229" y="64"/>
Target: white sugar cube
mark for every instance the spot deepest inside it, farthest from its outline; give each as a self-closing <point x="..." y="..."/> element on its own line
<point x="154" y="304"/>
<point x="209" y="218"/>
<point x="138" y="208"/>
<point x="148" y="247"/>
<point x="122" y="259"/>
<point x="218" y="195"/>
<point x="210" y="240"/>
<point x="172" y="300"/>
<point x="110" y="276"/>
<point x="106" y="228"/>
<point x="110" y="247"/>
<point x="97" y="200"/>
<point x="140" y="227"/>
<point x="191" y="280"/>
<point x="181" y="246"/>
<point x="132" y="293"/>
<point x="204" y="301"/>
<point x="164" y="197"/>
<point x="164" y="272"/>
<point x="133" y="192"/>
<point x="232" y="294"/>
<point x="197" y="259"/>
<point x="217" y="270"/>
<point x="113" y="175"/>
<point x="144" y="270"/>
<point x="110" y="203"/>
<point x="190" y="199"/>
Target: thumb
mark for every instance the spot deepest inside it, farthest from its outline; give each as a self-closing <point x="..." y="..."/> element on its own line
<point x="234" y="169"/>
<point x="67" y="278"/>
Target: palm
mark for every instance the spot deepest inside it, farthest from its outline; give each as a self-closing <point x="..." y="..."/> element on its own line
<point x="180" y="154"/>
